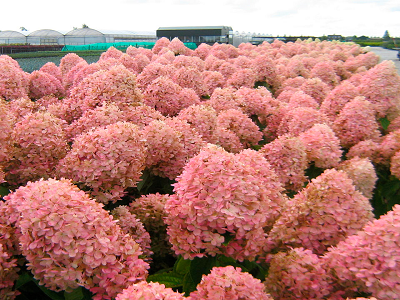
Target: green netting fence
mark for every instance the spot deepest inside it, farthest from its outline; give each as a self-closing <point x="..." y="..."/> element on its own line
<point x="119" y="46"/>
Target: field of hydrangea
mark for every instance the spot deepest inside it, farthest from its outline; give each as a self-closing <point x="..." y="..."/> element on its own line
<point x="250" y="172"/>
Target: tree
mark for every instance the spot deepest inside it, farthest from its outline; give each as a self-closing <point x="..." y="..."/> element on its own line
<point x="386" y="36"/>
<point x="85" y="26"/>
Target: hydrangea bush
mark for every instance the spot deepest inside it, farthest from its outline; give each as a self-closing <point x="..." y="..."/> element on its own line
<point x="249" y="172"/>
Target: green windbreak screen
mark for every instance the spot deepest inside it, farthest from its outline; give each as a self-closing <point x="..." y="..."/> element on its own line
<point x="120" y="46"/>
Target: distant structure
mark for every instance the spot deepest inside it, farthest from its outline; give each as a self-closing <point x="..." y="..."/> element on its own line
<point x="198" y="34"/>
<point x="79" y="36"/>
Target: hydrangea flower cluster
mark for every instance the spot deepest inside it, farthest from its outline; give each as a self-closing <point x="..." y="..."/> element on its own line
<point x="131" y="225"/>
<point x="297" y="274"/>
<point x="43" y="84"/>
<point x="229" y="283"/>
<point x="103" y="115"/>
<point x="116" y="85"/>
<point x="222" y="203"/>
<point x="362" y="172"/>
<point x="324" y="213"/>
<point x="149" y="209"/>
<point x="149" y="291"/>
<point x="368" y="261"/>
<point x="356" y="122"/>
<point x="107" y="160"/>
<point x="170" y="143"/>
<point x="69" y="240"/>
<point x="39" y="143"/>
<point x="287" y="156"/>
<point x="8" y="274"/>
<point x="14" y="83"/>
<point x="322" y="146"/>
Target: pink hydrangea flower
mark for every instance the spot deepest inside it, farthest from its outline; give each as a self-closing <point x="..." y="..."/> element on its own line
<point x="368" y="260"/>
<point x="242" y="77"/>
<point x="224" y="99"/>
<point x="131" y="225"/>
<point x="14" y="82"/>
<point x="149" y="209"/>
<point x="255" y="102"/>
<point x="153" y="71"/>
<point x="322" y="146"/>
<point x="40" y="143"/>
<point x="69" y="78"/>
<point x="297" y="274"/>
<point x="337" y="99"/>
<point x="265" y="70"/>
<point x="52" y="69"/>
<point x="316" y="88"/>
<point x="300" y="119"/>
<point x="366" y="149"/>
<point x="189" y="77"/>
<point x="241" y="125"/>
<point x="381" y="86"/>
<point x="42" y="84"/>
<point x="111" y="52"/>
<point x="229" y="283"/>
<point x="116" y="85"/>
<point x="395" y="164"/>
<point x="356" y="122"/>
<point x="159" y="45"/>
<point x="8" y="274"/>
<point x="202" y="118"/>
<point x="170" y="143"/>
<point x="81" y="73"/>
<point x="202" y="50"/>
<point x="69" y="240"/>
<point x="7" y="122"/>
<point x="69" y="61"/>
<point x="365" y="61"/>
<point x="162" y="95"/>
<point x="129" y="63"/>
<point x="362" y="172"/>
<point x="301" y="99"/>
<point x="179" y="48"/>
<point x="287" y="156"/>
<point x="188" y="62"/>
<point x="149" y="291"/>
<point x="22" y="106"/>
<point x="325" y="71"/>
<point x="103" y="115"/>
<point x="324" y="213"/>
<point x="222" y="204"/>
<point x="108" y="160"/>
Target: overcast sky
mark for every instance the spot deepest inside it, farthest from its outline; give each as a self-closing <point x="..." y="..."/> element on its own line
<point x="280" y="17"/>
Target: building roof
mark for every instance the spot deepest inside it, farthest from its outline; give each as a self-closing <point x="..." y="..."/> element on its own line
<point x="194" y="27"/>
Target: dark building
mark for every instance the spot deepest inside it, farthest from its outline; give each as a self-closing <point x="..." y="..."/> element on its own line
<point x="198" y="35"/>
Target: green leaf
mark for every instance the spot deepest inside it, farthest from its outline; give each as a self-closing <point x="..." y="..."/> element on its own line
<point x="188" y="284"/>
<point x="384" y="123"/>
<point x="4" y="191"/>
<point x="201" y="266"/>
<point x="49" y="293"/>
<point x="182" y="266"/>
<point x="227" y="238"/>
<point x="145" y="176"/>
<point x="171" y="279"/>
<point x="76" y="294"/>
<point x="23" y="279"/>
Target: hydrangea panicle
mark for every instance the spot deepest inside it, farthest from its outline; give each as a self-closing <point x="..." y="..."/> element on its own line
<point x="324" y="213"/>
<point x="69" y="240"/>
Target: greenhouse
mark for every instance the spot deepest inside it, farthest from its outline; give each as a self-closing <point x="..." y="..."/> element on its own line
<point x="85" y="36"/>
<point x="12" y="37"/>
<point x="45" y="37"/>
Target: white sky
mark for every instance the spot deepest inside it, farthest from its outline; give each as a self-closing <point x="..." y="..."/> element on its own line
<point x="278" y="17"/>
